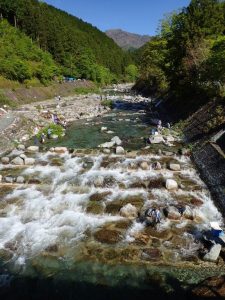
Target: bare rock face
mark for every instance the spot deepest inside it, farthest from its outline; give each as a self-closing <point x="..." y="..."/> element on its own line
<point x="171" y="184"/>
<point x="129" y="211"/>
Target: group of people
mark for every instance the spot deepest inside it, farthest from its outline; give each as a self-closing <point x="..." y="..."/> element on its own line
<point x="153" y="216"/>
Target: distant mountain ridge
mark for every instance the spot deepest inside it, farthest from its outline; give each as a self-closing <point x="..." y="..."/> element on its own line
<point x="127" y="40"/>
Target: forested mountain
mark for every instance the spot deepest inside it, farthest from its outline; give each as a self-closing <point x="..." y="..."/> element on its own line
<point x="127" y="40"/>
<point x="21" y="60"/>
<point x="77" y="47"/>
<point x="185" y="62"/>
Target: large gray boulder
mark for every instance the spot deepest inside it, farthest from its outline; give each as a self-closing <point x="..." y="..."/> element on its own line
<point x="107" y="145"/>
<point x="144" y="165"/>
<point x="9" y="179"/>
<point x="21" y="147"/>
<point x="213" y="253"/>
<point x="18" y="161"/>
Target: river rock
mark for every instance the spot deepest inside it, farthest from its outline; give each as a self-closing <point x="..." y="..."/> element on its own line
<point x="170" y="139"/>
<point x="174" y="167"/>
<point x="99" y="181"/>
<point x="18" y="161"/>
<point x="108" y="236"/>
<point x="5" y="160"/>
<point x="9" y="179"/>
<point x="104" y="129"/>
<point x="110" y="132"/>
<point x="33" y="149"/>
<point x="156" y="139"/>
<point x="61" y="150"/>
<point x="120" y="150"/>
<point x="129" y="211"/>
<point x="156" y="166"/>
<point x="116" y="140"/>
<point x="21" y="147"/>
<point x="151" y="254"/>
<point x="29" y="161"/>
<point x="106" y="151"/>
<point x="171" y="184"/>
<point x="172" y="213"/>
<point x="20" y="179"/>
<point x="213" y="253"/>
<point x="0" y="178"/>
<point x="144" y="166"/>
<point x="25" y="138"/>
<point x="107" y="145"/>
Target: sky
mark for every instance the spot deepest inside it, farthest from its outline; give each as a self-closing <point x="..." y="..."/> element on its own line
<point x="137" y="16"/>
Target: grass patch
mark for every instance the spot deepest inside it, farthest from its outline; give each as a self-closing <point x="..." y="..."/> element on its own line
<point x="5" y="101"/>
<point x="87" y="90"/>
<point x="108" y="103"/>
<point x="55" y="130"/>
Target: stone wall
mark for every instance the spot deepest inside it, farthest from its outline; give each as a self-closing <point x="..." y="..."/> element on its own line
<point x="210" y="161"/>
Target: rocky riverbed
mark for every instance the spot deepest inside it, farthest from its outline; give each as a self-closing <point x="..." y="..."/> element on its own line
<point x="79" y="214"/>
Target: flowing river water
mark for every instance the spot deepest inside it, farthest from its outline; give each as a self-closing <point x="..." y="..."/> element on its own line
<point x="62" y="232"/>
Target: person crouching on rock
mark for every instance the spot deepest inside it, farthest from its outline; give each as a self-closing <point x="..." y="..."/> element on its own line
<point x="153" y="216"/>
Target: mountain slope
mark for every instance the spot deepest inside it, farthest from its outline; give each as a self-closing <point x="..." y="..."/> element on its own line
<point x="77" y="46"/>
<point x="127" y="40"/>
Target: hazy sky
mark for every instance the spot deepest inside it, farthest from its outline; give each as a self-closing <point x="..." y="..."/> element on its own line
<point x="138" y="16"/>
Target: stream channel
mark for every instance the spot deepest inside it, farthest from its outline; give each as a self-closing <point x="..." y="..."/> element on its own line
<point x="62" y="233"/>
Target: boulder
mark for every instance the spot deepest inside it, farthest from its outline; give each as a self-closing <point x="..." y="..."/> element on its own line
<point x="104" y="129"/>
<point x="170" y="139"/>
<point x="106" y="151"/>
<point x="116" y="140"/>
<point x="21" y="147"/>
<point x="18" y="161"/>
<point x="174" y="167"/>
<point x="54" y="136"/>
<point x="20" y="179"/>
<point x="25" y="138"/>
<point x="156" y="166"/>
<point x="156" y="139"/>
<point x="99" y="181"/>
<point x="61" y="150"/>
<point x="171" y="184"/>
<point x="9" y="179"/>
<point x="108" y="236"/>
<point x="0" y="178"/>
<point x="172" y="213"/>
<point x="120" y="150"/>
<point x="213" y="253"/>
<point x="110" y="132"/>
<point x="29" y="161"/>
<point x="5" y="160"/>
<point x="144" y="165"/>
<point x="129" y="211"/>
<point x="107" y="145"/>
<point x="33" y="149"/>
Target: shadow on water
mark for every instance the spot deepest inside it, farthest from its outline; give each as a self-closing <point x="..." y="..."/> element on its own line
<point x="36" y="289"/>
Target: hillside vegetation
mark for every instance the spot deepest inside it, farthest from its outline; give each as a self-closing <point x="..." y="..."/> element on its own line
<point x="185" y="62"/>
<point x="78" y="48"/>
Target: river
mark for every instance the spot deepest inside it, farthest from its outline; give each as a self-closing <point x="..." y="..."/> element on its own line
<point x="72" y="228"/>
